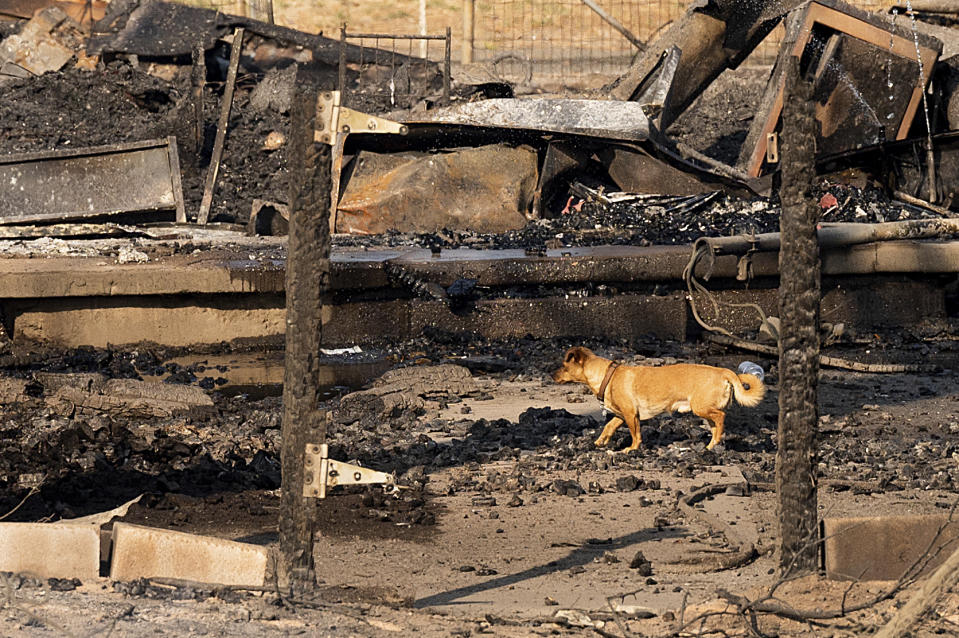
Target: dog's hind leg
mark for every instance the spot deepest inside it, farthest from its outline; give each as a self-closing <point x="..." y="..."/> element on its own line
<point x="633" y="422"/>
<point x="717" y="418"/>
<point x="608" y="431"/>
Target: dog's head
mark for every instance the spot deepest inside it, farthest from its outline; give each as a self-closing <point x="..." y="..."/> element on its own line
<point x="573" y="370"/>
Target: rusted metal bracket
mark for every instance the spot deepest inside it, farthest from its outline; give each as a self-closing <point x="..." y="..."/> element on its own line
<point x="331" y="118"/>
<point x="321" y="472"/>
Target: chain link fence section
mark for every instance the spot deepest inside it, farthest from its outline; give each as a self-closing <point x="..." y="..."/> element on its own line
<point x="532" y="41"/>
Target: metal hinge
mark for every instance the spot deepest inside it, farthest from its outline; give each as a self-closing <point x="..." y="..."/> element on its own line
<point x="321" y="472"/>
<point x="331" y="118"/>
<point x="772" y="147"/>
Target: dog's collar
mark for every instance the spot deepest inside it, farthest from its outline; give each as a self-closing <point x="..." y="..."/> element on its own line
<point x="609" y="375"/>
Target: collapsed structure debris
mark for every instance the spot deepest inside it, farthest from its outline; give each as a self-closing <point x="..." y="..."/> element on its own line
<point x="869" y="73"/>
<point x="45" y="43"/>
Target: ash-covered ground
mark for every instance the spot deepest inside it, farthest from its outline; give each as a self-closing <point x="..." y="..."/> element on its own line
<point x="493" y="461"/>
<point x="86" y="462"/>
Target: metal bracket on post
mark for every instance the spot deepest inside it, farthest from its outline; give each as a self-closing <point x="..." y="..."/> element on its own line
<point x="772" y="147"/>
<point x="331" y="118"/>
<point x="321" y="472"/>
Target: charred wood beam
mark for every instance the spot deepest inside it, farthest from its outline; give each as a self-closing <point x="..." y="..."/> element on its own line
<point x="307" y="282"/>
<point x="799" y="296"/>
<point x="197" y="82"/>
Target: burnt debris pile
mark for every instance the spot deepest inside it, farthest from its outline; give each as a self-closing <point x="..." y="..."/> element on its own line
<point x="157" y="84"/>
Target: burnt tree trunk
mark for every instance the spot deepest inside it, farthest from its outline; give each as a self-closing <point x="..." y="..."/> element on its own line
<point x="307" y="282"/>
<point x="799" y="297"/>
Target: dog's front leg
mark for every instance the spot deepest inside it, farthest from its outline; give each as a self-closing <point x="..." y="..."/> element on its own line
<point x="608" y="431"/>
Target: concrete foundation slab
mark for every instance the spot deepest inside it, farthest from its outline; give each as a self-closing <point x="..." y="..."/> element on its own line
<point x="48" y="550"/>
<point x="884" y="547"/>
<point x="174" y="321"/>
<point x="227" y="295"/>
<point x="145" y="552"/>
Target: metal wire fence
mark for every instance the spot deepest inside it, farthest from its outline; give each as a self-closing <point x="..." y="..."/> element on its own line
<point x="518" y="40"/>
<point x="549" y="39"/>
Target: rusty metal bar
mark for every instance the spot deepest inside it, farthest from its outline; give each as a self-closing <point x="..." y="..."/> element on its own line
<point x="214" y="169"/>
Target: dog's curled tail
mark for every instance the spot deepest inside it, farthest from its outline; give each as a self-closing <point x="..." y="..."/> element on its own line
<point x="747" y="388"/>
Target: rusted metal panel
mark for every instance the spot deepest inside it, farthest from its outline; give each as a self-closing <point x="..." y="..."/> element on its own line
<point x="486" y="189"/>
<point x="712" y="37"/>
<point x="91" y="182"/>
<point x="636" y="171"/>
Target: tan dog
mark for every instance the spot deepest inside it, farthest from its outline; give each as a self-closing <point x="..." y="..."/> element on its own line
<point x="634" y="393"/>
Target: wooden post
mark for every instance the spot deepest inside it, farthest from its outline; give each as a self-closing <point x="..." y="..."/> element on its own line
<point x="424" y="44"/>
<point x="307" y="282"/>
<point x="469" y="30"/>
<point x="799" y="298"/>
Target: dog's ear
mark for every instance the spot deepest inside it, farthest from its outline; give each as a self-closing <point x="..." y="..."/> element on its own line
<point x="575" y="355"/>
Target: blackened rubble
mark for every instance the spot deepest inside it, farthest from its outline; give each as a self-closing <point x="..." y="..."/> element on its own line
<point x="641" y="223"/>
<point x="122" y="102"/>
